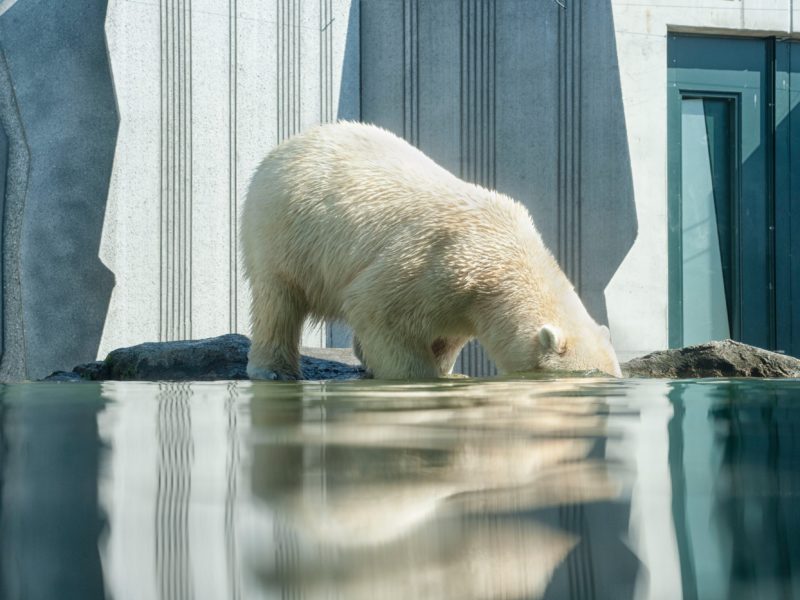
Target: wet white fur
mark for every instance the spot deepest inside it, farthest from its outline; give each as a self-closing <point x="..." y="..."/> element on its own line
<point x="348" y="221"/>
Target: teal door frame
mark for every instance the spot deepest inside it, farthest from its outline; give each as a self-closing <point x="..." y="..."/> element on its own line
<point x="739" y="70"/>
<point x="787" y="194"/>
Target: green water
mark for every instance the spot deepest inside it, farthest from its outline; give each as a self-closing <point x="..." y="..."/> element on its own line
<point x="574" y="488"/>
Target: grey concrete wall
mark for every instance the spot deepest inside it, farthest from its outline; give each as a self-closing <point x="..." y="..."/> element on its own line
<point x="519" y="96"/>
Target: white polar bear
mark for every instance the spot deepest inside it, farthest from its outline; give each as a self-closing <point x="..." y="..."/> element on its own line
<point x="349" y="222"/>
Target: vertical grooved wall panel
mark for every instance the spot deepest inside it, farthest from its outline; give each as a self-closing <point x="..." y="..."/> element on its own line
<point x="478" y="127"/>
<point x="569" y="119"/>
<point x="411" y="71"/>
<point x="289" y="83"/>
<point x="176" y="171"/>
<point x="233" y="208"/>
<point x="326" y="102"/>
<point x="478" y="106"/>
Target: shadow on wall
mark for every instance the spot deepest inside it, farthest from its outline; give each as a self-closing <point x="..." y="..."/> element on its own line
<point x="608" y="223"/>
<point x="349" y="106"/>
<point x="519" y="96"/>
<point x="63" y="90"/>
<point x="5" y="5"/>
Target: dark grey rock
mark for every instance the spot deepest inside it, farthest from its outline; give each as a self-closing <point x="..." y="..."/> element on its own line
<point x="71" y="376"/>
<point x="330" y="363"/>
<point x="713" y="359"/>
<point x="94" y="371"/>
<point x="219" y="358"/>
<point x="223" y="357"/>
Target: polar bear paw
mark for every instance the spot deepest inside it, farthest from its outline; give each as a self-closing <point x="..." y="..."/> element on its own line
<point x="254" y="372"/>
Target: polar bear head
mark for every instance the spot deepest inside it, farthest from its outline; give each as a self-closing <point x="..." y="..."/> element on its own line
<point x="576" y="349"/>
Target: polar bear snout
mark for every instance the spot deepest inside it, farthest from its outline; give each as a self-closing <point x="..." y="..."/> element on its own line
<point x="588" y="350"/>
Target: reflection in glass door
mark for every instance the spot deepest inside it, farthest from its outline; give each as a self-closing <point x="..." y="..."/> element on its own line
<point x="706" y="170"/>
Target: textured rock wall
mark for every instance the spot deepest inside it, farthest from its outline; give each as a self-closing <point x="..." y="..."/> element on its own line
<point x="15" y="176"/>
<point x="59" y="115"/>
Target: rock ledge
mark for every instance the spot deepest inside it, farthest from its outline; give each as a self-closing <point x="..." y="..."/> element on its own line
<point x="212" y="359"/>
<point x="713" y="359"/>
<point x="225" y="357"/>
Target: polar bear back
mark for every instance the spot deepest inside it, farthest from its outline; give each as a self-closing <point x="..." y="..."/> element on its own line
<point x="355" y="194"/>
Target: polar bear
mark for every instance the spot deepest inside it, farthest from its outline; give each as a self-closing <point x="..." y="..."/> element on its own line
<point x="349" y="222"/>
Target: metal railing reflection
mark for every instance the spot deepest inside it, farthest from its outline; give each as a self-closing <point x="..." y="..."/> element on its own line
<point x="232" y="491"/>
<point x="173" y="491"/>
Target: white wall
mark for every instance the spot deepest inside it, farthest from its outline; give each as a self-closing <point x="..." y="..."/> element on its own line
<point x="205" y="89"/>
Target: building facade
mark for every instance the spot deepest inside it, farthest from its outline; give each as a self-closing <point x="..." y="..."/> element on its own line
<point x="652" y="142"/>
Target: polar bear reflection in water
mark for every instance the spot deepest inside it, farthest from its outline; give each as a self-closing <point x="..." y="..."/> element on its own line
<point x="356" y="496"/>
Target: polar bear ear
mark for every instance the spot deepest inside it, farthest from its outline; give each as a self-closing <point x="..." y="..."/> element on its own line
<point x="606" y="333"/>
<point x="552" y="339"/>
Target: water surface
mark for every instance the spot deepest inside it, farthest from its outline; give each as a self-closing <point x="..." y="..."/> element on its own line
<point x="572" y="488"/>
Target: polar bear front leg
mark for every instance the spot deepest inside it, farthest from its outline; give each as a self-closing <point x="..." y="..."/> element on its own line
<point x="277" y="315"/>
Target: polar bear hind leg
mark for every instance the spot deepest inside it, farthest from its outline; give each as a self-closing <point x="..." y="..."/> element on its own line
<point x="445" y="352"/>
<point x="390" y="356"/>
